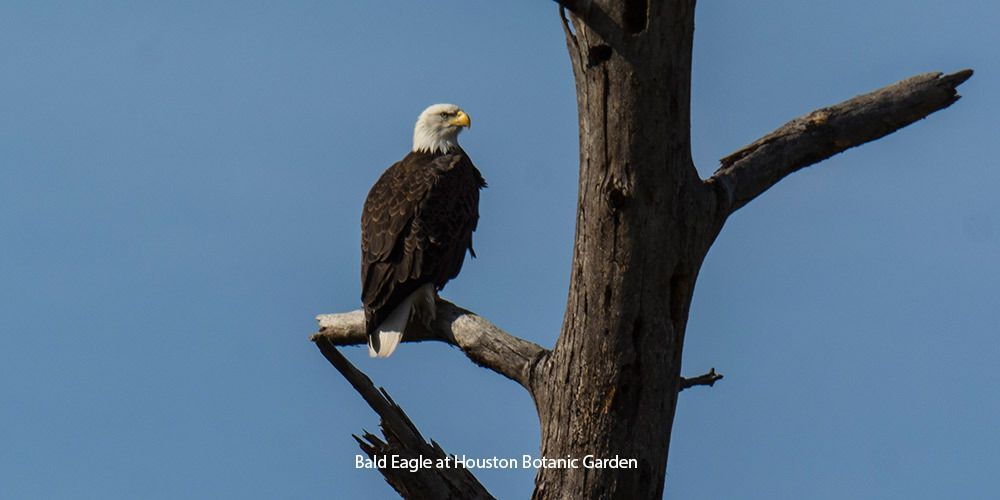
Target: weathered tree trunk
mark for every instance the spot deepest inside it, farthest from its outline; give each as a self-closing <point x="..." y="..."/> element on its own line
<point x="645" y="221"/>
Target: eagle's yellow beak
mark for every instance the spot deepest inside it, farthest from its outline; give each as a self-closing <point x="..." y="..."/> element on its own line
<point x="462" y="120"/>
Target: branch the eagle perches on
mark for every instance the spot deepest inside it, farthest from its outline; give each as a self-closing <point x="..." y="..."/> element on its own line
<point x="483" y="342"/>
<point x="742" y="176"/>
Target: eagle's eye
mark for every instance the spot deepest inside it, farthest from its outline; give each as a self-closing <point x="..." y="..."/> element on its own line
<point x="444" y="114"/>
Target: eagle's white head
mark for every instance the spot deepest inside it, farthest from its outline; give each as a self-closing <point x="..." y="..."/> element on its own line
<point x="438" y="127"/>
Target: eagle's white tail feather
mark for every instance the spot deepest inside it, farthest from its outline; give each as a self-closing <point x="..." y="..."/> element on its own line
<point x="390" y="332"/>
<point x="419" y="304"/>
<point x="388" y="341"/>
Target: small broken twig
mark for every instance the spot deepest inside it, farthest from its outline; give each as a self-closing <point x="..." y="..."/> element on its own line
<point x="708" y="379"/>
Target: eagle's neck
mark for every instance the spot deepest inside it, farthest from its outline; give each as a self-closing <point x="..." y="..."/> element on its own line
<point x="429" y="140"/>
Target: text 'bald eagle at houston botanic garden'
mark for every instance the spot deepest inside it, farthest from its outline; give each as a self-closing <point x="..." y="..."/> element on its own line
<point x="416" y="225"/>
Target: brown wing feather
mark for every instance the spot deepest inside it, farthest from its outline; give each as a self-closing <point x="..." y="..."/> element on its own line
<point x="416" y="225"/>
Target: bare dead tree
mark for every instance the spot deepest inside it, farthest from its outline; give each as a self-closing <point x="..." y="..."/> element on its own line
<point x="645" y="222"/>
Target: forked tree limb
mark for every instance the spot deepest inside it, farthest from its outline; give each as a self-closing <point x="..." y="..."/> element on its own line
<point x="823" y="133"/>
<point x="402" y="439"/>
<point x="483" y="342"/>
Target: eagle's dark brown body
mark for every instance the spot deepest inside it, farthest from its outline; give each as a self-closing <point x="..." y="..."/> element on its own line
<point x="416" y="226"/>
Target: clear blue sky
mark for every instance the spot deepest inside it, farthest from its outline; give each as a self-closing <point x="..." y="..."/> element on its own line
<point x="181" y="188"/>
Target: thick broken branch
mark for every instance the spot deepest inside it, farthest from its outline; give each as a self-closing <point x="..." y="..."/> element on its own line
<point x="483" y="342"/>
<point x="708" y="379"/>
<point x="821" y="134"/>
<point x="404" y="440"/>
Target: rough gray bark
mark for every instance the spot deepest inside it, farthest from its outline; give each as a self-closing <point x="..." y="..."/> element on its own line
<point x="645" y="221"/>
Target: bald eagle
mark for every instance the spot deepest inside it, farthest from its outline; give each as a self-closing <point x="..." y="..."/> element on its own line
<point x="416" y="226"/>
